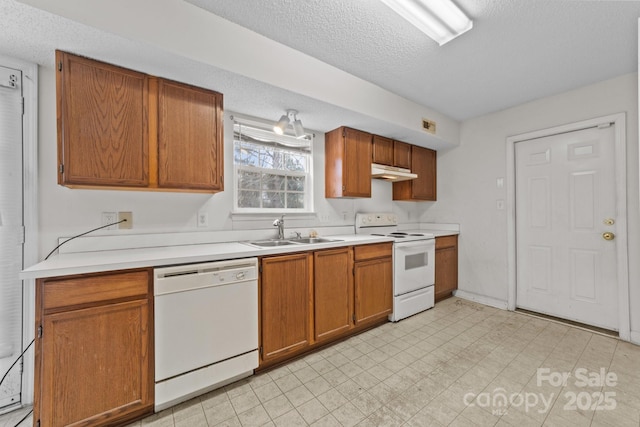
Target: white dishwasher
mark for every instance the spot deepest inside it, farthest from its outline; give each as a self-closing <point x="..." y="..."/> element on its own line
<point x="206" y="327"/>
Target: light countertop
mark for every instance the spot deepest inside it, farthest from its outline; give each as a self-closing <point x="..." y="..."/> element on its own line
<point x="111" y="260"/>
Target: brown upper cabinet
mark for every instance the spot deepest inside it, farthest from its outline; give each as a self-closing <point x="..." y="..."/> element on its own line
<point x="348" y="163"/>
<point x="386" y="151"/>
<point x="423" y="163"/>
<point x="122" y="129"/>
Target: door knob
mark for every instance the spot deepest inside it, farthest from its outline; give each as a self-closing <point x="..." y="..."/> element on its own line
<point x="609" y="221"/>
<point x="608" y="236"/>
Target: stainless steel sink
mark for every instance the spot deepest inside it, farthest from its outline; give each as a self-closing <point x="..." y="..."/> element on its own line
<point x="302" y="241"/>
<point x="308" y="240"/>
<point x="272" y="243"/>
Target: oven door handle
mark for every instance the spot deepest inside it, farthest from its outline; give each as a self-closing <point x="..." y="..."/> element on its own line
<point x="428" y="244"/>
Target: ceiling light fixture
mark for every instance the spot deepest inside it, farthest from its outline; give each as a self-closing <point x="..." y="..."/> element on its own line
<point x="284" y="121"/>
<point x="441" y="20"/>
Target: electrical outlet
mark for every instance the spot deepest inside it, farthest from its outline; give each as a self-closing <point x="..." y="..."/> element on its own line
<point x="129" y="217"/>
<point x="323" y="217"/>
<point x="109" y="218"/>
<point x="203" y="219"/>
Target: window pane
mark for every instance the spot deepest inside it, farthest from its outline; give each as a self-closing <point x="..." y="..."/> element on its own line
<point x="246" y="155"/>
<point x="248" y="199"/>
<point x="273" y="182"/>
<point x="295" y="200"/>
<point x="272" y="200"/>
<point x="248" y="180"/>
<point x="296" y="162"/>
<point x="295" y="183"/>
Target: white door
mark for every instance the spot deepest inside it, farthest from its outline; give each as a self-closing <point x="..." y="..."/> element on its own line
<point x="565" y="201"/>
<point x="11" y="232"/>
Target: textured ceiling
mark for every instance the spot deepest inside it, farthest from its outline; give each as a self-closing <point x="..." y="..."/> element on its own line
<point x="518" y="50"/>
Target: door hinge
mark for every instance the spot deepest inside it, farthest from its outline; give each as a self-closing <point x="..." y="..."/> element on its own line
<point x="38" y="423"/>
<point x="354" y="318"/>
<point x="260" y="350"/>
<point x="40" y="331"/>
<point x="61" y="169"/>
<point x="59" y="65"/>
<point x="260" y="268"/>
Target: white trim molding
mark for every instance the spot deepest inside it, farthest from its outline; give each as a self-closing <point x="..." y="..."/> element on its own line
<point x="619" y="121"/>
<point x="30" y="210"/>
<point x="482" y="299"/>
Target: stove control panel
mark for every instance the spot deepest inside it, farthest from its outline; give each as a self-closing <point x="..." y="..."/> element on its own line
<point x="376" y="219"/>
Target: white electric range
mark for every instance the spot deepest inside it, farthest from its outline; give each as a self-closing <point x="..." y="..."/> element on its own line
<point x="413" y="263"/>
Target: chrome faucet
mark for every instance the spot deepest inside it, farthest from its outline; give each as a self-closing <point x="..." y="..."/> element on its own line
<point x="279" y="222"/>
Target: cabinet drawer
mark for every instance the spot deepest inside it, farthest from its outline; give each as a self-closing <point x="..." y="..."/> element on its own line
<point x="66" y="292"/>
<point x="376" y="250"/>
<point x="446" y="242"/>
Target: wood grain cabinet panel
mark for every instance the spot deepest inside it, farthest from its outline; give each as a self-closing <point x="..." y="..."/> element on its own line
<point x="446" y="268"/>
<point x="348" y="163"/>
<point x="401" y="154"/>
<point x="102" y="124"/>
<point x="189" y="137"/>
<point x="94" y="360"/>
<point x="423" y="163"/>
<point x="119" y="128"/>
<point x="373" y="282"/>
<point x="382" y="150"/>
<point x="285" y="305"/>
<point x="333" y="292"/>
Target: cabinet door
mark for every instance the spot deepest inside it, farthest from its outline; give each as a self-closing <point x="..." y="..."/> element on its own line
<point x="190" y="139"/>
<point x="446" y="266"/>
<point x="423" y="163"/>
<point x="96" y="365"/>
<point x="102" y="124"/>
<point x="373" y="285"/>
<point x="357" y="163"/>
<point x="333" y="292"/>
<point x="382" y="150"/>
<point x="401" y="154"/>
<point x="285" y="295"/>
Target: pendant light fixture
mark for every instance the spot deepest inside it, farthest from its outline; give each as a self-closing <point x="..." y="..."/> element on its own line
<point x="441" y="20"/>
<point x="285" y="119"/>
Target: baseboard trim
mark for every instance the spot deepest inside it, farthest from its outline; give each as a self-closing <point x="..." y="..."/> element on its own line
<point x="482" y="299"/>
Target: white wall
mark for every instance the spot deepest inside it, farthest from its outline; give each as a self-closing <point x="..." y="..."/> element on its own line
<point x="65" y="212"/>
<point x="467" y="192"/>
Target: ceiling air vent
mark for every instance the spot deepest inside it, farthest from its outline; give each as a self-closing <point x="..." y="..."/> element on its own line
<point x="429" y="126"/>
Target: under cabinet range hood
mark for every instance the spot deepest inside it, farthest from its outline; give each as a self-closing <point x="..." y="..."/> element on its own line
<point x="391" y="173"/>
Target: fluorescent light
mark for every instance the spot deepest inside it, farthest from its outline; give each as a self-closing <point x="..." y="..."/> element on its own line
<point x="441" y="20"/>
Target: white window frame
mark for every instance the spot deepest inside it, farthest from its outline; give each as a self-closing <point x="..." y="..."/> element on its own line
<point x="287" y="137"/>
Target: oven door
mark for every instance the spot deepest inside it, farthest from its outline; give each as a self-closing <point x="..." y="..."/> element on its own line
<point x="414" y="265"/>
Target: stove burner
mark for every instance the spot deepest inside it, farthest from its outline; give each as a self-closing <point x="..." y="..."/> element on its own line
<point x="416" y="234"/>
<point x="377" y="234"/>
<point x="397" y="233"/>
<point x="397" y="236"/>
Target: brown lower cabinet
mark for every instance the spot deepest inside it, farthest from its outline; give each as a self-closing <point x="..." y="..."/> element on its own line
<point x="285" y="305"/>
<point x="446" y="266"/>
<point x="94" y="349"/>
<point x="373" y="271"/>
<point x="312" y="298"/>
<point x="333" y="292"/>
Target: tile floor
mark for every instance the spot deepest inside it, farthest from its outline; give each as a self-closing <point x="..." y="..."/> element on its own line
<point x="459" y="364"/>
